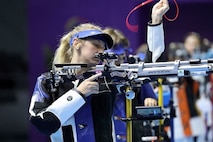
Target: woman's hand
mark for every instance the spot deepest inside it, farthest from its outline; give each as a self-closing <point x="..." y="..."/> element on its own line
<point x="158" y="10"/>
<point x="150" y="102"/>
<point x="89" y="86"/>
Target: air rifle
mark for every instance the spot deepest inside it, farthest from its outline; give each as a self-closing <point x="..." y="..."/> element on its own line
<point x="141" y="71"/>
<point x="130" y="74"/>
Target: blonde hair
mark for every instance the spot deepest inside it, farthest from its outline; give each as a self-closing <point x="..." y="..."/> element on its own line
<point x="64" y="52"/>
<point x="117" y="36"/>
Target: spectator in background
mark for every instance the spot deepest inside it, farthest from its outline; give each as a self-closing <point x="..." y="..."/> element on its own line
<point x="121" y="45"/>
<point x="144" y="95"/>
<point x="176" y="51"/>
<point x="197" y="47"/>
<point x="188" y="125"/>
<point x="141" y="51"/>
<point x="193" y="44"/>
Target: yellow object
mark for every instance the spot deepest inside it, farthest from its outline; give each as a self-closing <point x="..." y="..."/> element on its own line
<point x="129" y="116"/>
<point x="160" y="101"/>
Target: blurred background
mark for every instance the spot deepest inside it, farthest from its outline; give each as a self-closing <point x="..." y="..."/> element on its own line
<point x="30" y="32"/>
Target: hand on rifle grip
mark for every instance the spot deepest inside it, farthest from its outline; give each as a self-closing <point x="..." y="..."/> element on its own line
<point x="90" y="85"/>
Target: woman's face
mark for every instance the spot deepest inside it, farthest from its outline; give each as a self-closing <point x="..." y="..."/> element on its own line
<point x="191" y="44"/>
<point x="88" y="50"/>
<point x="121" y="59"/>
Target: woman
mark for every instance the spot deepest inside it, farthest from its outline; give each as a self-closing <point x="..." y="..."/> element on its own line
<point x="75" y="105"/>
<point x="144" y="95"/>
<point x="81" y="110"/>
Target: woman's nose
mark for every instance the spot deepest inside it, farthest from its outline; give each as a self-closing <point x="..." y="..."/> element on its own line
<point x="100" y="50"/>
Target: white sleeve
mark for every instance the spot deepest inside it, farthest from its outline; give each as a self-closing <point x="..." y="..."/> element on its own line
<point x="65" y="106"/>
<point x="155" y="40"/>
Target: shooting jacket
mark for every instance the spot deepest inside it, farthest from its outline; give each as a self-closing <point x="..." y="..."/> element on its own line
<point x="68" y="116"/>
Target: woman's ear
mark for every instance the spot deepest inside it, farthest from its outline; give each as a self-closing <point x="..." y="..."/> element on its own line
<point x="76" y="43"/>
